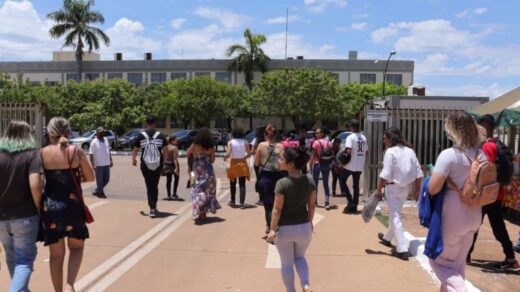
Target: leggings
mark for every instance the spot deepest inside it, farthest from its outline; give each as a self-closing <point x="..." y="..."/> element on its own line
<point x="233" y="189"/>
<point x="292" y="242"/>
<point x="169" y="184"/>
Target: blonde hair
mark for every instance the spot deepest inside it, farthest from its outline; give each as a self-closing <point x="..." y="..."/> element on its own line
<point x="463" y="130"/>
<point x="59" y="128"/>
<point x="270" y="130"/>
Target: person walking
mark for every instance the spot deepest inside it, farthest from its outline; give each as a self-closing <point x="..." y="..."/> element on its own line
<point x="357" y="147"/>
<point x="20" y="196"/>
<point x="152" y="143"/>
<point x="204" y="190"/>
<point x="293" y="211"/>
<point x="237" y="169"/>
<point x="494" y="210"/>
<point x="459" y="221"/>
<point x="401" y="170"/>
<point x="320" y="161"/>
<point x="101" y="161"/>
<point x="259" y="138"/>
<point x="266" y="159"/>
<point x="335" y="167"/>
<point x="62" y="210"/>
<point x="171" y="168"/>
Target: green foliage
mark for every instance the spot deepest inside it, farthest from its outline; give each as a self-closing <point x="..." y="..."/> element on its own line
<point x="304" y="95"/>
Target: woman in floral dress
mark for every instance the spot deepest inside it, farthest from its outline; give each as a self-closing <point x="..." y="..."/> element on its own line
<point x="204" y="190"/>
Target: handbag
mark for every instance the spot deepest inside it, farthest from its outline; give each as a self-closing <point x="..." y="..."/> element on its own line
<point x="343" y="158"/>
<point x="88" y="215"/>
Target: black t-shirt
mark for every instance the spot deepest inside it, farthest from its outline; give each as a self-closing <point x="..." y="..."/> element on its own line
<point x="296" y="192"/>
<point x="15" y="192"/>
<point x="160" y="142"/>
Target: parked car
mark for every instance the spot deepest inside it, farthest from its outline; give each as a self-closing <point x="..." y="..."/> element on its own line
<point x="185" y="138"/>
<point x="85" y="140"/>
<point x="128" y="139"/>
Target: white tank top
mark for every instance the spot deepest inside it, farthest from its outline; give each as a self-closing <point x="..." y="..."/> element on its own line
<point x="238" y="148"/>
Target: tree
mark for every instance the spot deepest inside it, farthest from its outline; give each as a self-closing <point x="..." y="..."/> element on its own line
<point x="304" y="95"/>
<point x="74" y="21"/>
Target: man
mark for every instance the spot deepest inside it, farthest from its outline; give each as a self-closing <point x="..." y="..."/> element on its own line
<point x="319" y="163"/>
<point x="151" y="177"/>
<point x="355" y="145"/>
<point x="494" y="210"/>
<point x="101" y="160"/>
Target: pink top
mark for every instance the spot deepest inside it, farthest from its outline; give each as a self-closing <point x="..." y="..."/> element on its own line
<point x="317" y="148"/>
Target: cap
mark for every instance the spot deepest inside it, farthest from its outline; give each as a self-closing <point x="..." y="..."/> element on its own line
<point x="100" y="130"/>
<point x="354" y="123"/>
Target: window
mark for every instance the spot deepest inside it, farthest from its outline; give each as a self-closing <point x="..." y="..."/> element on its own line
<point x="367" y="78"/>
<point x="178" y="75"/>
<point x="200" y="74"/>
<point x="158" y="77"/>
<point x="396" y="79"/>
<point x="91" y="76"/>
<point x="73" y="76"/>
<point x="111" y="76"/>
<point x="223" y="77"/>
<point x="135" y="78"/>
<point x="36" y="83"/>
<point x="335" y="76"/>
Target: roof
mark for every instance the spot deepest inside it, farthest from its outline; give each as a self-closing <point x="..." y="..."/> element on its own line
<point x="510" y="100"/>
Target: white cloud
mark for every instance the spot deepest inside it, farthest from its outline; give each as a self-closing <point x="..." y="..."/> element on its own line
<point x="462" y="14"/>
<point x="480" y="10"/>
<point x="359" y="26"/>
<point x="492" y="91"/>
<point x="125" y="36"/>
<point x="469" y="13"/>
<point x="177" y="23"/>
<point x="326" y="48"/>
<point x="296" y="46"/>
<point x="23" y="34"/>
<point x="204" y="43"/>
<point x="282" y="19"/>
<point x="226" y="18"/>
<point x="381" y="34"/>
<point x="316" y="6"/>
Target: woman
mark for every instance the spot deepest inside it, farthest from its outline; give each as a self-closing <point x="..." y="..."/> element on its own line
<point x="401" y="170"/>
<point x="259" y="138"/>
<point x="319" y="165"/>
<point x="335" y="166"/>
<point x="20" y="196"/>
<point x="171" y="168"/>
<point x="291" y="225"/>
<point x="203" y="192"/>
<point x="266" y="160"/>
<point x="63" y="216"/>
<point x="459" y="221"/>
<point x="238" y="150"/>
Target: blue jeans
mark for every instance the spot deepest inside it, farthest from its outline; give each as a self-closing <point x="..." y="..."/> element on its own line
<point x="19" y="239"/>
<point x="292" y="241"/>
<point x="324" y="170"/>
<point x="102" y="178"/>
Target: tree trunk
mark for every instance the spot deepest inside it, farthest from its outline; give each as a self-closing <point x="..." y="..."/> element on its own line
<point x="79" y="57"/>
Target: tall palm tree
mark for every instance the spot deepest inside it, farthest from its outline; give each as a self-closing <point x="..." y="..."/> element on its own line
<point x="249" y="57"/>
<point x="74" y="21"/>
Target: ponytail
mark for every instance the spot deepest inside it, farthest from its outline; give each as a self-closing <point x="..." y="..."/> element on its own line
<point x="63" y="141"/>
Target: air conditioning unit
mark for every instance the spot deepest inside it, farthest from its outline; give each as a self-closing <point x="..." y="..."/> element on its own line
<point x="148" y="56"/>
<point x="118" y="56"/>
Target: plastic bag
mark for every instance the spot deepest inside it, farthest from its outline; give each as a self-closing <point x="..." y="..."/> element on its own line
<point x="370" y="207"/>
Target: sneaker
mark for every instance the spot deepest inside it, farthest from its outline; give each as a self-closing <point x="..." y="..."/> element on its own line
<point x="95" y="194"/>
<point x="259" y="203"/>
<point x="175" y="197"/>
<point x="516" y="248"/>
<point x="508" y="265"/>
<point x="102" y="196"/>
<point x="152" y="213"/>
<point x="327" y="206"/>
<point x="401" y="255"/>
<point x="382" y="240"/>
<point x="231" y="203"/>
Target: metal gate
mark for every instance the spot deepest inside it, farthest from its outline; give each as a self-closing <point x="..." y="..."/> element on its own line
<point x="423" y="128"/>
<point x="32" y="113"/>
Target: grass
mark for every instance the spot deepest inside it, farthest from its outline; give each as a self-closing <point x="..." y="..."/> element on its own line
<point x="382" y="218"/>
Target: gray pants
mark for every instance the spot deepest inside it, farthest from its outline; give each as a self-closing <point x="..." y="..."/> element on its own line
<point x="292" y="242"/>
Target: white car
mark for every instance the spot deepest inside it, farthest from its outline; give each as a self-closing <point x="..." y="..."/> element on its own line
<point x="85" y="140"/>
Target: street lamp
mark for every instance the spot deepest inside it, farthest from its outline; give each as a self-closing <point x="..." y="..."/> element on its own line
<point x="386" y="68"/>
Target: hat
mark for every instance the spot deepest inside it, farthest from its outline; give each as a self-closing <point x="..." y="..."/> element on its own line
<point x="100" y="130"/>
<point x="354" y="123"/>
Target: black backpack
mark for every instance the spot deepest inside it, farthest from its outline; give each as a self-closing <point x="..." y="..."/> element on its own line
<point x="326" y="155"/>
<point x="504" y="162"/>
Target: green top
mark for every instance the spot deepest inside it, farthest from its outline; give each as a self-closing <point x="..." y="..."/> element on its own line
<point x="296" y="192"/>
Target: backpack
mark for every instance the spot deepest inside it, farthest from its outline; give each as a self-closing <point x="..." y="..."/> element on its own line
<point x="326" y="155"/>
<point x="504" y="162"/>
<point x="481" y="186"/>
<point x="151" y="154"/>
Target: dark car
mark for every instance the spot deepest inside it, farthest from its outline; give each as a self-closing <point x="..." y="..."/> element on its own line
<point x="128" y="139"/>
<point x="185" y="138"/>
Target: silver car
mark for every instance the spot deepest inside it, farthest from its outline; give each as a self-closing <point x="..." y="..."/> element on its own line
<point x="85" y="140"/>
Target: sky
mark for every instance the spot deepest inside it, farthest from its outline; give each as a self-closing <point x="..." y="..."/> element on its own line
<point x="461" y="48"/>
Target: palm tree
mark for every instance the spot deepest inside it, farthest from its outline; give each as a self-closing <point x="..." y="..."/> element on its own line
<point x="249" y="57"/>
<point x="74" y="21"/>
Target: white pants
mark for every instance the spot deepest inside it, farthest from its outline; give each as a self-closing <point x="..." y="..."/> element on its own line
<point x="395" y="197"/>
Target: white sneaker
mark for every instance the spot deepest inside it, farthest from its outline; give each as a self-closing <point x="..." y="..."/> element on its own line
<point x="152" y="213"/>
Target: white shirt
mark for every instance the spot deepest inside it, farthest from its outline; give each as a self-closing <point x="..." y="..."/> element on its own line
<point x="400" y="166"/>
<point x="100" y="151"/>
<point x="358" y="145"/>
<point x="238" y="148"/>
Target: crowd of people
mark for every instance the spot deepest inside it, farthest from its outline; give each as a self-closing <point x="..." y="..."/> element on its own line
<point x="287" y="169"/>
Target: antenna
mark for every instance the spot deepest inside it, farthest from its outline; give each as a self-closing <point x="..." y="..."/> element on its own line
<point x="286" y="29"/>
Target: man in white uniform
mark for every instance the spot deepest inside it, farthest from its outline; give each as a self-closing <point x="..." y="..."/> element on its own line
<point x="355" y="145"/>
<point x="101" y="160"/>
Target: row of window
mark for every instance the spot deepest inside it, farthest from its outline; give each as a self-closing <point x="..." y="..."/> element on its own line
<point x="396" y="79"/>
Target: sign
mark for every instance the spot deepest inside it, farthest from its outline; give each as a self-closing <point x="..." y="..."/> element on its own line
<point x="377" y="116"/>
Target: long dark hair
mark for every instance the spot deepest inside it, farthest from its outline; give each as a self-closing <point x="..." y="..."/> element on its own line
<point x="298" y="156"/>
<point x="204" y="138"/>
<point x="395" y="137"/>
